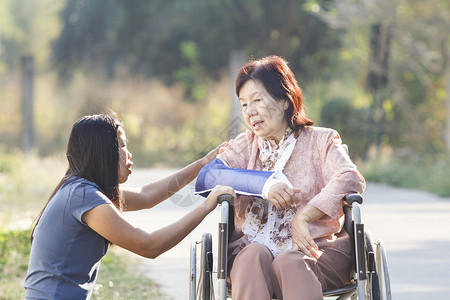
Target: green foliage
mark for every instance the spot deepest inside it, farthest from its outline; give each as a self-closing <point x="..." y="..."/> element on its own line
<point x="26" y="182"/>
<point x="409" y="110"/>
<point x="9" y="162"/>
<point x="432" y="176"/>
<point x="176" y="146"/>
<point x="24" y="27"/>
<point x="340" y="114"/>
<point x="150" y="37"/>
<point x="14" y="253"/>
<point x="191" y="75"/>
<point x="88" y="35"/>
<point x="163" y="128"/>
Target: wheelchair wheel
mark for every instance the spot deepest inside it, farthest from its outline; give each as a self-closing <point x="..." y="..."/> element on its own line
<point x="205" y="280"/>
<point x="383" y="271"/>
<point x="193" y="272"/>
<point x="373" y="283"/>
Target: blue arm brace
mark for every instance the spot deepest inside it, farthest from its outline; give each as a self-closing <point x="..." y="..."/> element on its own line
<point x="243" y="181"/>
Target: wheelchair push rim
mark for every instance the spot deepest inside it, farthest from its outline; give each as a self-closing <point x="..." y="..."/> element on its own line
<point x="383" y="269"/>
<point x="203" y="287"/>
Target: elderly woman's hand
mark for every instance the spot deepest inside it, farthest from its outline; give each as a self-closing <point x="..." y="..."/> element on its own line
<point x="281" y="195"/>
<point x="301" y="237"/>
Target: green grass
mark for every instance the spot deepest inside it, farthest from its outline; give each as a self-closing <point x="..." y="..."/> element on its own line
<point x="26" y="182"/>
<point x="118" y="282"/>
<point x="14" y="252"/>
<point x="115" y="280"/>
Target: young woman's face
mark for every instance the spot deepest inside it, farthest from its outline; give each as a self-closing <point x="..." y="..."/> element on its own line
<point x="125" y="163"/>
<point x="262" y="113"/>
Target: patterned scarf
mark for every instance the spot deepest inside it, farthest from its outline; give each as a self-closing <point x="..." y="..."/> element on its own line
<point x="270" y="152"/>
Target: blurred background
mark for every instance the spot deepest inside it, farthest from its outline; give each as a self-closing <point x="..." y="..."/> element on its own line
<point x="377" y="71"/>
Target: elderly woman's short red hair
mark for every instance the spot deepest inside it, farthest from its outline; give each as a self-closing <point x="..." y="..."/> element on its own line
<point x="279" y="81"/>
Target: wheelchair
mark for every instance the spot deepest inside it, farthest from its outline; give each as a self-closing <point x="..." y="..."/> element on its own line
<point x="371" y="275"/>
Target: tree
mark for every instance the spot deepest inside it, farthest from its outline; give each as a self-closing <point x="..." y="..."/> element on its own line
<point x="26" y="28"/>
<point x="150" y="37"/>
<point x="87" y="36"/>
<point x="411" y="108"/>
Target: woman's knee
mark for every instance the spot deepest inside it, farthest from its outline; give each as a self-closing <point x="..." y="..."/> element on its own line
<point x="250" y="273"/>
<point x="292" y="275"/>
<point x="255" y="252"/>
<point x="292" y="260"/>
<point x="253" y="258"/>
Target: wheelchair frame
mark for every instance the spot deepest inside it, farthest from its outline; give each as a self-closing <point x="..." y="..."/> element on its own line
<point x="370" y="281"/>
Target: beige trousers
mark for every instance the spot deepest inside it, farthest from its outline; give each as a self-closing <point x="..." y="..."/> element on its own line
<point x="256" y="274"/>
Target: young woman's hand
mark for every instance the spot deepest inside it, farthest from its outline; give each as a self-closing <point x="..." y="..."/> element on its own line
<point x="281" y="195"/>
<point x="213" y="153"/>
<point x="211" y="200"/>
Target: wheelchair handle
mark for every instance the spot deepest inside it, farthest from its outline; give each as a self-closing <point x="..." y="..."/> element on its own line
<point x="225" y="197"/>
<point x="350" y="198"/>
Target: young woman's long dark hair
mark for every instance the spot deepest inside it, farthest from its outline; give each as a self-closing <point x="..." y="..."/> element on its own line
<point x="93" y="154"/>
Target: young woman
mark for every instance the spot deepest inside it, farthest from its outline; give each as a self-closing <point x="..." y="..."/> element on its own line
<point x="83" y="215"/>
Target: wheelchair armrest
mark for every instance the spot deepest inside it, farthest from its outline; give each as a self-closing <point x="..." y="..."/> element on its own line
<point x="350" y="198"/>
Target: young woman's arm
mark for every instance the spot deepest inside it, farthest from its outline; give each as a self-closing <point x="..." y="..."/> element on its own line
<point x="149" y="195"/>
<point x="158" y="191"/>
<point x="107" y="221"/>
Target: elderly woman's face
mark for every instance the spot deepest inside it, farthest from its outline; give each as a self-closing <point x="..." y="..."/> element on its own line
<point x="262" y="113"/>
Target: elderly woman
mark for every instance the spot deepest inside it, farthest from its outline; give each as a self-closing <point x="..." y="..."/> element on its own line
<point x="289" y="242"/>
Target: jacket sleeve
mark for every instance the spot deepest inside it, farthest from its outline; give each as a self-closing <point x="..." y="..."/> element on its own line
<point x="235" y="154"/>
<point x="339" y="173"/>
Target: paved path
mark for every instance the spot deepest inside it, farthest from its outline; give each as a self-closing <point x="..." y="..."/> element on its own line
<point x="414" y="226"/>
